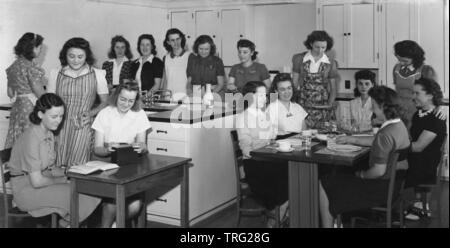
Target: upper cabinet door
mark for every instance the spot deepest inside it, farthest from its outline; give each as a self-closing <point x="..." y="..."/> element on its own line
<point x="207" y="23"/>
<point x="333" y="22"/>
<point x="362" y="38"/>
<point x="232" y="31"/>
<point x="183" y="20"/>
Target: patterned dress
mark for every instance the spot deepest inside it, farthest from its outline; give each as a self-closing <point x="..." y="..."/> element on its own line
<point x="22" y="75"/>
<point x="315" y="91"/>
<point x="75" y="143"/>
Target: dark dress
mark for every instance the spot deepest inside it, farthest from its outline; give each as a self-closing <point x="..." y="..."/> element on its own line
<point x="422" y="165"/>
<point x="108" y="66"/>
<point x="149" y="72"/>
<point x="347" y="193"/>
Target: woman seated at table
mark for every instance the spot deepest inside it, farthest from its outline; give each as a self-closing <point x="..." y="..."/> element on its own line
<point x="267" y="179"/>
<point x="123" y="121"/>
<point x="361" y="107"/>
<point x="341" y="193"/>
<point x="286" y="115"/>
<point x="39" y="187"/>
<point x="427" y="135"/>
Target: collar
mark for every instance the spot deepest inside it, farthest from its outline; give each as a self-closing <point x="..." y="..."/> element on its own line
<point x="149" y="59"/>
<point x="308" y="57"/>
<point x="408" y="67"/>
<point x="114" y="60"/>
<point x="422" y="113"/>
<point x="388" y="122"/>
<point x="42" y="134"/>
<point x="172" y="55"/>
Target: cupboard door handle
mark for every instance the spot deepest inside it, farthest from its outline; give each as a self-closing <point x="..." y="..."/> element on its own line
<point x="349" y="34"/>
<point x="161" y="131"/>
<point x="241" y="35"/>
<point x="345" y="34"/>
<point x="7" y="117"/>
<point x="188" y="36"/>
<point x="214" y="36"/>
<point x="161" y="149"/>
<point x="163" y="200"/>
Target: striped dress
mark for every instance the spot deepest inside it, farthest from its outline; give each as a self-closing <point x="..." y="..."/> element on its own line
<point x="74" y="144"/>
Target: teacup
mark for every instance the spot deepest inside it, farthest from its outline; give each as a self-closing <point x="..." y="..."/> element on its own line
<point x="314" y="131"/>
<point x="375" y="130"/>
<point x="284" y="145"/>
<point x="306" y="132"/>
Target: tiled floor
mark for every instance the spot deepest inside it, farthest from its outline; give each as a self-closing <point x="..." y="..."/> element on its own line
<point x="227" y="217"/>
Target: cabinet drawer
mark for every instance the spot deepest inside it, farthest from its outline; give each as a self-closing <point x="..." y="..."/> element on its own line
<point x="168" y="131"/>
<point x="168" y="205"/>
<point x="4" y="117"/>
<point x="169" y="148"/>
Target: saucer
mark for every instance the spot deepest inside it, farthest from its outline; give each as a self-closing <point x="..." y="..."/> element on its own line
<point x="290" y="149"/>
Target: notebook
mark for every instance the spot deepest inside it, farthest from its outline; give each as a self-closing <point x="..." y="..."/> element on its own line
<point x="92" y="166"/>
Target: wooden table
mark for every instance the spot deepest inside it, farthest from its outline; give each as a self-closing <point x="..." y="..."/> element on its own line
<point x="151" y="172"/>
<point x="303" y="179"/>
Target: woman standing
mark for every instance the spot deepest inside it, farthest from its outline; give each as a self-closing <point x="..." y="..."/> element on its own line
<point x="118" y="67"/>
<point x="38" y="186"/>
<point x="205" y="70"/>
<point x="26" y="82"/>
<point x="316" y="76"/>
<point x="248" y="70"/>
<point x="148" y="69"/>
<point x="409" y="68"/>
<point x="77" y="83"/>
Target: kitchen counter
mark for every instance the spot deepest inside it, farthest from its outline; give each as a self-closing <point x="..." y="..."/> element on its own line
<point x="6" y="106"/>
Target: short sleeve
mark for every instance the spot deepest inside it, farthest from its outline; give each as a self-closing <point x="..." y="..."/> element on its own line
<point x="31" y="157"/>
<point x="102" y="85"/>
<point x="104" y="65"/>
<point x="303" y="114"/>
<point x="381" y="147"/>
<point x="264" y="73"/>
<point x="143" y="124"/>
<point x="428" y="72"/>
<point x="436" y="126"/>
<point x="220" y="71"/>
<point x="51" y="85"/>
<point x="233" y="71"/>
<point x="36" y="77"/>
<point x="190" y="65"/>
<point x="296" y="63"/>
<point x="100" y="121"/>
<point x="159" y="67"/>
<point x="272" y="111"/>
<point x="334" y="74"/>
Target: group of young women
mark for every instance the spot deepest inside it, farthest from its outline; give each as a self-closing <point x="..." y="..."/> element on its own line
<point x="55" y="129"/>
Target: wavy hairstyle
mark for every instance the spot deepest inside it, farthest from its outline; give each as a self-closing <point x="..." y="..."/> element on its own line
<point x="114" y="40"/>
<point x="170" y="32"/>
<point x="364" y="75"/>
<point x="152" y="42"/>
<point x="79" y="43"/>
<point x="251" y="87"/>
<point x="318" y="35"/>
<point x="282" y="77"/>
<point x="26" y="44"/>
<point x="388" y="101"/>
<point x="410" y="49"/>
<point x="203" y="39"/>
<point x="248" y="44"/>
<point x="431" y="88"/>
<point x="130" y="86"/>
<point x="44" y="103"/>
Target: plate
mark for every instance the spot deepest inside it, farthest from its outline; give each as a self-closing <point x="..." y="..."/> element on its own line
<point x="290" y="150"/>
<point x="322" y="137"/>
<point x="344" y="148"/>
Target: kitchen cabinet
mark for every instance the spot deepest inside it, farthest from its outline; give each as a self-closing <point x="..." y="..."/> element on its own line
<point x="224" y="25"/>
<point x="354" y="28"/>
<point x="4" y="124"/>
<point x="211" y="179"/>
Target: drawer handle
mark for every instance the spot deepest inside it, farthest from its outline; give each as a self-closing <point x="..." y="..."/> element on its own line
<point x="163" y="200"/>
<point x="161" y="149"/>
<point x="161" y="131"/>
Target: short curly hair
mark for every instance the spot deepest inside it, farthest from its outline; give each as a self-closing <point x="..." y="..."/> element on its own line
<point x="431" y="87"/>
<point x="203" y="39"/>
<point x="410" y="49"/>
<point x="79" y="43"/>
<point x="388" y="101"/>
<point x="318" y="35"/>
<point x="26" y="44"/>
<point x="283" y="77"/>
<point x="129" y="86"/>
<point x="364" y="75"/>
<point x="251" y="87"/>
<point x="114" y="40"/>
<point x="44" y="103"/>
<point x="174" y="31"/>
<point x="248" y="44"/>
<point x="148" y="37"/>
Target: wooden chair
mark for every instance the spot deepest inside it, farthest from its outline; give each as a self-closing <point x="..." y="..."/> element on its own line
<point x="393" y="200"/>
<point x="8" y="209"/>
<point x="245" y="203"/>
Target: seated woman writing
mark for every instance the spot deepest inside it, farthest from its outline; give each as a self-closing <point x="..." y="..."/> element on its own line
<point x="38" y="186"/>
<point x="123" y="113"/>
<point x="341" y="192"/>
<point x="268" y="180"/>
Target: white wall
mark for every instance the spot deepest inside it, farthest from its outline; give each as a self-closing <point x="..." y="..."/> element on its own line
<point x="280" y="31"/>
<point x="58" y="21"/>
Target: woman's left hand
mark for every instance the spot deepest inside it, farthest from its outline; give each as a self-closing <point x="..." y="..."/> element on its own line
<point x="139" y="147"/>
<point x="439" y="112"/>
<point x="85" y="118"/>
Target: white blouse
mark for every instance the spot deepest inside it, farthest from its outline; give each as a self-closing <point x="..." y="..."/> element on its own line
<point x="286" y="120"/>
<point x="314" y="66"/>
<point x="362" y="114"/>
<point x="118" y="128"/>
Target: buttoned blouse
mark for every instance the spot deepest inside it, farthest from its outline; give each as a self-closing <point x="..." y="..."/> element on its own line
<point x="33" y="151"/>
<point x="120" y="128"/>
<point x="362" y="114"/>
<point x="286" y="120"/>
<point x="254" y="130"/>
